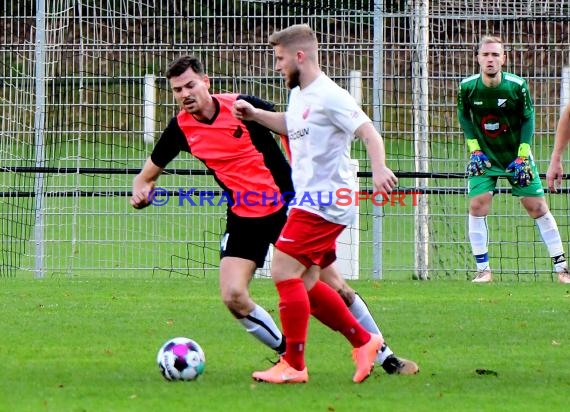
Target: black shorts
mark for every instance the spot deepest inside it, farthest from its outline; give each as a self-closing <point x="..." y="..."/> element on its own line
<point x="249" y="237"/>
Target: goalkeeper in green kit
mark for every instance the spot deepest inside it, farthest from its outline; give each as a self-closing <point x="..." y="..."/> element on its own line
<point x="496" y="114"/>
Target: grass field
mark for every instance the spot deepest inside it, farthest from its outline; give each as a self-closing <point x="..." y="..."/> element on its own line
<point x="89" y="344"/>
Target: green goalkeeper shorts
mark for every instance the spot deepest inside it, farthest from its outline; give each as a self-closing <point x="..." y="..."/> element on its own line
<point x="478" y="185"/>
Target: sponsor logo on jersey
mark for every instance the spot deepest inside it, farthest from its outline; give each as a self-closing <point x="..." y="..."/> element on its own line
<point x="478" y="103"/>
<point x="501" y="102"/>
<point x="297" y="134"/>
<point x="492" y="127"/>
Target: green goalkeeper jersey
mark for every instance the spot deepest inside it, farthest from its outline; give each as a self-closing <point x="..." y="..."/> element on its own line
<point x="500" y="117"/>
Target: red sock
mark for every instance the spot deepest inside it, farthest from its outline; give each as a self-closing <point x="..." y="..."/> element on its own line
<point x="329" y="308"/>
<point x="294" y="311"/>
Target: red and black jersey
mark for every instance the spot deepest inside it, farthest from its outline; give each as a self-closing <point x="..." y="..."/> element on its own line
<point x="243" y="156"/>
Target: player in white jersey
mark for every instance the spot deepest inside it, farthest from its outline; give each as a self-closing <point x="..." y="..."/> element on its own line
<point x="320" y="121"/>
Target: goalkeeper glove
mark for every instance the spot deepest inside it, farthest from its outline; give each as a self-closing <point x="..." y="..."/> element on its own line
<point x="477" y="163"/>
<point x="478" y="160"/>
<point x="522" y="173"/>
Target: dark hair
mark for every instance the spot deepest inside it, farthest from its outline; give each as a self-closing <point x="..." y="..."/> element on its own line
<point x="183" y="63"/>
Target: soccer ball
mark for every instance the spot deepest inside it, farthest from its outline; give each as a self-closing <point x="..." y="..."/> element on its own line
<point x="181" y="359"/>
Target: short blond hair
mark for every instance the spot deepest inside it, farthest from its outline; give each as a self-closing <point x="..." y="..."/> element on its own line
<point x="296" y="35"/>
<point x="490" y="39"/>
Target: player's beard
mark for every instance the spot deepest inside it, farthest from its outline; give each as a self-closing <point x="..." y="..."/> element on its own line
<point x="293" y="80"/>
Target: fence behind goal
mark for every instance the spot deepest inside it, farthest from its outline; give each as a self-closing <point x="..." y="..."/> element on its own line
<point x="82" y="93"/>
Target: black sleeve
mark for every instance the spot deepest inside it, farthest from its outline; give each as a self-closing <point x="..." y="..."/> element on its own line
<point x="257" y="102"/>
<point x="171" y="142"/>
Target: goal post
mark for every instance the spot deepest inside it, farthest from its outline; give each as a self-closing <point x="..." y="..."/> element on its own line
<point x="39" y="138"/>
<point x="150" y="103"/>
<point x="348" y="243"/>
<point x="420" y="97"/>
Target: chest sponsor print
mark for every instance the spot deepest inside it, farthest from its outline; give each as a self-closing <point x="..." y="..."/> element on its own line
<point x="492" y="127"/>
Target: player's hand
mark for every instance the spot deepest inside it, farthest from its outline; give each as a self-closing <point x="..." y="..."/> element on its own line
<point x="243" y="110"/>
<point x="141" y="190"/>
<point x="522" y="173"/>
<point x="554" y="175"/>
<point x="478" y="162"/>
<point x="384" y="180"/>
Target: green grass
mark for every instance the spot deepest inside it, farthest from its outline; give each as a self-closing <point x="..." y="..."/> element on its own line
<point x="89" y="344"/>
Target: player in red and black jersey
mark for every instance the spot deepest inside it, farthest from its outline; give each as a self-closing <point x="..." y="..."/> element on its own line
<point x="244" y="158"/>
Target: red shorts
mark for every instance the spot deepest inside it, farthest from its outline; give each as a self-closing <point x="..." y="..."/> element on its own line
<point x="309" y="238"/>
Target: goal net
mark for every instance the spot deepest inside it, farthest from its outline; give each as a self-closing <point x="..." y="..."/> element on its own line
<point x="83" y="95"/>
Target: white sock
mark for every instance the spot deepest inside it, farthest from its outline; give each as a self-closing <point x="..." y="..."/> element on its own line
<point x="262" y="326"/>
<point x="384" y="352"/>
<point x="360" y="311"/>
<point x="479" y="239"/>
<point x="363" y="316"/>
<point x="551" y="237"/>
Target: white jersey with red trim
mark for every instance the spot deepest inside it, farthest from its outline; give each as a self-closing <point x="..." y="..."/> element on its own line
<point x="321" y="121"/>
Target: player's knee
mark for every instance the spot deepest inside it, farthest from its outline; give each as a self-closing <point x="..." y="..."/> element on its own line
<point x="478" y="209"/>
<point x="537" y="209"/>
<point x="236" y="300"/>
<point x="480" y="205"/>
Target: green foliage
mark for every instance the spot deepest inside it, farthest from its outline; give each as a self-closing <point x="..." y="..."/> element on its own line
<point x="89" y="344"/>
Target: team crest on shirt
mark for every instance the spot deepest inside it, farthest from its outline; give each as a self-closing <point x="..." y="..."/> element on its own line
<point x="238" y="132"/>
<point x="501" y="102"/>
<point x="306" y="111"/>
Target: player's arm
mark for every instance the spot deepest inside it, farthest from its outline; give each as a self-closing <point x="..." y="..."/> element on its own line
<point x="464" y="116"/>
<point x="244" y="110"/>
<point x="528" y="122"/>
<point x="258" y="103"/>
<point x="144" y="183"/>
<point x="561" y="139"/>
<point x="167" y="148"/>
<point x="478" y="161"/>
<point x="383" y="178"/>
